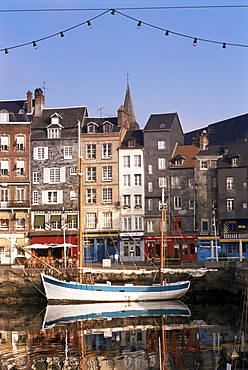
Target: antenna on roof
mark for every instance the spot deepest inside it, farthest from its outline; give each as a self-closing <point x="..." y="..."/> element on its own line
<point x="44" y="88"/>
<point x="100" y="109"/>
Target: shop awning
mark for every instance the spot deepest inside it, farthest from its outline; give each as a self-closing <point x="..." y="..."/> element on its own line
<point x="20" y="215"/>
<point x="71" y="217"/>
<point x="39" y="220"/>
<point x="4" y="215"/>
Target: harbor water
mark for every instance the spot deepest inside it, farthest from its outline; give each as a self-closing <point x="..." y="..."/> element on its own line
<point x="133" y="336"/>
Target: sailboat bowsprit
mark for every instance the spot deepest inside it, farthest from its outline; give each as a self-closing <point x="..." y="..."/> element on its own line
<point x="97" y="292"/>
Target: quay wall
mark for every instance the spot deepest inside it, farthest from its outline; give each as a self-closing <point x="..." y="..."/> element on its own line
<point x="226" y="279"/>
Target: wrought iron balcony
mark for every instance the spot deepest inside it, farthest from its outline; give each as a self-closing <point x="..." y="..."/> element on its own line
<point x="15" y="204"/>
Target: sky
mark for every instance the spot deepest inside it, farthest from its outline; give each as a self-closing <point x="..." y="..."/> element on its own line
<point x="167" y="74"/>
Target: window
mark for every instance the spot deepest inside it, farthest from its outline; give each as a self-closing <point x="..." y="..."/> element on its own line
<point x="73" y="195"/>
<point x="232" y="227"/>
<point x="91" y="220"/>
<point x="150" y="226"/>
<point x="55" y="222"/>
<point x="4" y="223"/>
<point x="73" y="170"/>
<point x="107" y="220"/>
<point x="107" y="127"/>
<point x="230" y="183"/>
<point x="191" y="183"/>
<point x="4" y="143"/>
<point x="54" y="175"/>
<point x="178" y="161"/>
<point x="162" y="182"/>
<point x="127" y="201"/>
<point x="54" y="133"/>
<point x="72" y="221"/>
<point x="68" y="152"/>
<point x="204" y="225"/>
<point x="161" y="144"/>
<point x="126" y="180"/>
<point x="131" y="143"/>
<point x="41" y="153"/>
<point x="203" y="165"/>
<point x="106" y="151"/>
<point x="137" y="201"/>
<point x="4" y="168"/>
<point x="191" y="204"/>
<point x="39" y="222"/>
<point x="4" y="194"/>
<point x="177" y="224"/>
<point x="214" y="182"/>
<point x="150" y="169"/>
<point x="4" y="117"/>
<point x="52" y="196"/>
<point x="244" y="205"/>
<point x="20" y="194"/>
<point x="107" y="195"/>
<point x="20" y="223"/>
<point x="90" y="196"/>
<point x="137" y="161"/>
<point x="126" y="161"/>
<point x="161" y="163"/>
<point x="127" y="223"/>
<point x="235" y="161"/>
<point x="214" y="163"/>
<point x="20" y="140"/>
<point x="137" y="223"/>
<point x="35" y="197"/>
<point x="177" y="202"/>
<point x="230" y="204"/>
<point x="137" y="180"/>
<point x="36" y="177"/>
<point x="175" y="182"/>
<point x="91" y="174"/>
<point x="20" y="168"/>
<point x="91" y="151"/>
<point x="150" y="186"/>
<point x="150" y="204"/>
<point x="107" y="173"/>
<point x="91" y="128"/>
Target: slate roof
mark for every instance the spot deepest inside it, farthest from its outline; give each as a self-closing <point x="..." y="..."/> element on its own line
<point x="69" y="121"/>
<point x="100" y="122"/>
<point x="238" y="150"/>
<point x="189" y="152"/>
<point x="136" y="135"/>
<point x="228" y="131"/>
<point x="160" y="121"/>
<point x="17" y="110"/>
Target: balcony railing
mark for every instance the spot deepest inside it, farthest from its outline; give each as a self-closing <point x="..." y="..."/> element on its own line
<point x="241" y="235"/>
<point x="14" y="204"/>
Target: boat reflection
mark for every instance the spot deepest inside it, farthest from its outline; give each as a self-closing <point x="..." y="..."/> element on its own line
<point x="58" y="314"/>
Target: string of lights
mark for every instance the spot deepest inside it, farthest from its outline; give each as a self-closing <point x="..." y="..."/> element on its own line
<point x="167" y="32"/>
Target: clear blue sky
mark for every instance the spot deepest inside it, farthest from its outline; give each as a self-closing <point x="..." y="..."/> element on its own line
<point x="203" y="84"/>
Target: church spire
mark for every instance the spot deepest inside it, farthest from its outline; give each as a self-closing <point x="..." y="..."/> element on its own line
<point x="128" y="106"/>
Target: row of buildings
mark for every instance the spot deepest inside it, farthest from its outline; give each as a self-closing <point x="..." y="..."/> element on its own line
<point x="124" y="169"/>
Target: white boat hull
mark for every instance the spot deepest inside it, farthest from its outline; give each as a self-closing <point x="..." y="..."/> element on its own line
<point x="72" y="291"/>
<point x="67" y="313"/>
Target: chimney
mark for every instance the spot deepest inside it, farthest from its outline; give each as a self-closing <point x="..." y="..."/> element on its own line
<point x="39" y="102"/>
<point x="203" y="140"/>
<point x="123" y="118"/>
<point x="29" y="102"/>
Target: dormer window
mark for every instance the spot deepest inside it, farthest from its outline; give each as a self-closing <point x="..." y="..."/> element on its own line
<point x="54" y="133"/>
<point x="178" y="162"/>
<point x="4" y="116"/>
<point x="107" y="127"/>
<point x="131" y="143"/>
<point x="92" y="128"/>
<point x="235" y="161"/>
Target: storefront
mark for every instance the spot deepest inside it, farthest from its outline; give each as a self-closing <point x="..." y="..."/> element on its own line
<point x="132" y="246"/>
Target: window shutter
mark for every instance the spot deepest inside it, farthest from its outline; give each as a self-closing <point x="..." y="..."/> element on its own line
<point x="46" y="173"/>
<point x="35" y="153"/>
<point x="45" y="152"/>
<point x="60" y="196"/>
<point x="62" y="174"/>
<point x="44" y="197"/>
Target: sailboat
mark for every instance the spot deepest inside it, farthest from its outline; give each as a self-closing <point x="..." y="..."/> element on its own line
<point x="57" y="290"/>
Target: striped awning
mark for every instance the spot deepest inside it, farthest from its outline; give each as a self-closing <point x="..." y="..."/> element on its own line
<point x="4" y="215"/>
<point x="20" y="214"/>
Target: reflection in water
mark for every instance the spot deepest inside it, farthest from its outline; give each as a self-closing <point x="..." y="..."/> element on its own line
<point x="148" y="335"/>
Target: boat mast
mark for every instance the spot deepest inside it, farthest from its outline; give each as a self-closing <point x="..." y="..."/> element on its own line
<point x="162" y="238"/>
<point x="80" y="173"/>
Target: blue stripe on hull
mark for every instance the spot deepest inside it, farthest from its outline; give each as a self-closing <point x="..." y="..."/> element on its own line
<point x="115" y="288"/>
